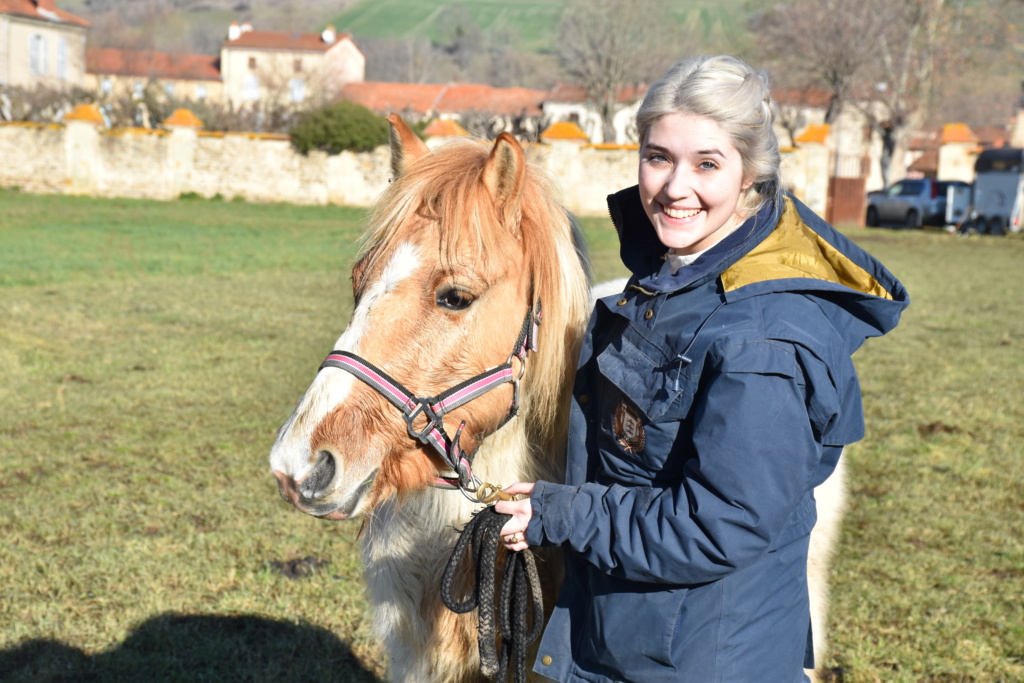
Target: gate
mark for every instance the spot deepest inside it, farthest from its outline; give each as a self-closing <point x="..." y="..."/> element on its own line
<point x="847" y="200"/>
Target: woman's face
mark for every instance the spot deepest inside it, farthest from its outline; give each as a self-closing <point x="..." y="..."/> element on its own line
<point x="691" y="180"/>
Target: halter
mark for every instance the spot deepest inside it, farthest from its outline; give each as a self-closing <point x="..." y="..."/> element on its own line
<point x="434" y="408"/>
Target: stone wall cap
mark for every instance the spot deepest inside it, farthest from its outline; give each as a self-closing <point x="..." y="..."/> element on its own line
<point x="815" y="133"/>
<point x="88" y="113"/>
<point x="564" y="130"/>
<point x="445" y="128"/>
<point x="183" y="118"/>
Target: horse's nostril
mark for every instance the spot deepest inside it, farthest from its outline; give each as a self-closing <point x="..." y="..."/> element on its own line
<point x="320" y="477"/>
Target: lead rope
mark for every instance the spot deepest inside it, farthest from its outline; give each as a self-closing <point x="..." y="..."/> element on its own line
<point x="519" y="582"/>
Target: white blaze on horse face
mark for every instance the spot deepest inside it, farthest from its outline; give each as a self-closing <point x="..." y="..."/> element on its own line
<point x="292" y="451"/>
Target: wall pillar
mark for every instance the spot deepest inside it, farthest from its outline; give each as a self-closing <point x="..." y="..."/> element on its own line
<point x="83" y="165"/>
<point x="184" y="127"/>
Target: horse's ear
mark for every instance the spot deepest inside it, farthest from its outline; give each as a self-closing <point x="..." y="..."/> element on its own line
<point x="504" y="175"/>
<point x="406" y="147"/>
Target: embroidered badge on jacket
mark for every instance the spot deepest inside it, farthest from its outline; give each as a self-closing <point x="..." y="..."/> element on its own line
<point x="629" y="430"/>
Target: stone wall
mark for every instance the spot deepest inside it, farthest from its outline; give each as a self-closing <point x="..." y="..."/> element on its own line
<point x="81" y="157"/>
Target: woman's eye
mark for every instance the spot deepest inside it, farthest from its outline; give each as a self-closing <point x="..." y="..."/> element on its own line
<point x="708" y="165"/>
<point x="454" y="299"/>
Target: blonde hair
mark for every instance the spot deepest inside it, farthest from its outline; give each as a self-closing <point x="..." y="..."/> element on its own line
<point x="737" y="97"/>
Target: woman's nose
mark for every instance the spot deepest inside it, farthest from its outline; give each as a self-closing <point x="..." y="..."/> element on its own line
<point x="678" y="184"/>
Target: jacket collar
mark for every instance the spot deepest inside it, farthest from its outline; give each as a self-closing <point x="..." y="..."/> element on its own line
<point x="644" y="254"/>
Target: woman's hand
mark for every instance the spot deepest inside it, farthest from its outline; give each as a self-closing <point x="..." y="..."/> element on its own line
<point x="513" y="534"/>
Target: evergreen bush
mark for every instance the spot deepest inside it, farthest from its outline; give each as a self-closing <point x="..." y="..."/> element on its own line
<point x="338" y="127"/>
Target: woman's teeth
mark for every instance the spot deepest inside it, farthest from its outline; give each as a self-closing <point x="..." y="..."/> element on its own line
<point x="680" y="213"/>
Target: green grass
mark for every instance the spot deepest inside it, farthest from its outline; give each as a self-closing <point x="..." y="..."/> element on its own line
<point x="148" y="352"/>
<point x="534" y="23"/>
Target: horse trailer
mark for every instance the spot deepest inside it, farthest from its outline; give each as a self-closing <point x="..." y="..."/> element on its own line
<point x="998" y="191"/>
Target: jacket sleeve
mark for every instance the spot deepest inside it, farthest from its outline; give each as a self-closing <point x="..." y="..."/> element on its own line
<point x="748" y="483"/>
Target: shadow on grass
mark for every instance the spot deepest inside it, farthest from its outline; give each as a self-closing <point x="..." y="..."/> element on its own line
<point x="182" y="648"/>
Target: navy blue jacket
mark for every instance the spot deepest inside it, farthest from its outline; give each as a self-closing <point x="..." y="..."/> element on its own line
<point x="708" y="404"/>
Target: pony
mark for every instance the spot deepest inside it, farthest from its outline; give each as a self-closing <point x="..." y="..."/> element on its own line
<point x="471" y="298"/>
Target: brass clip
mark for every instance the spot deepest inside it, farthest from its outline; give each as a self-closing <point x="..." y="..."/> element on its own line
<point x="489" y="493"/>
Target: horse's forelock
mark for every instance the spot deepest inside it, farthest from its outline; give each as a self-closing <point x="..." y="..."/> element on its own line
<point x="442" y="187"/>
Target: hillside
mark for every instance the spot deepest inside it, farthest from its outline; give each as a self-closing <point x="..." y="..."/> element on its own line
<point x="533" y="23"/>
<point x="193" y="25"/>
<point x="414" y="40"/>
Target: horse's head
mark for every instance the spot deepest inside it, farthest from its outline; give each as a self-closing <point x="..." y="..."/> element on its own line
<point x="462" y="246"/>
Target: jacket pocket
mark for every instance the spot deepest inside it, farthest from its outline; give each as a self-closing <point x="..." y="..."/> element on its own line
<point x="630" y="629"/>
<point x="643" y="371"/>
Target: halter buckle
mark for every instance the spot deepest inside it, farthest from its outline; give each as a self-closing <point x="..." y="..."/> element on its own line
<point x="434" y="421"/>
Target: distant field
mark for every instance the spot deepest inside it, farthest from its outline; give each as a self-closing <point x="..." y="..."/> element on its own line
<point x="535" y="22"/>
<point x="149" y="351"/>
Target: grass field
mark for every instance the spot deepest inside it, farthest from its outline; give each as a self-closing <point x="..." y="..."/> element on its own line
<point x="534" y="23"/>
<point x="148" y="352"/>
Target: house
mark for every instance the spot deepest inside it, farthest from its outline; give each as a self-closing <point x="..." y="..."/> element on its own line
<point x="287" y="67"/>
<point x="481" y="108"/>
<point x="41" y="45"/>
<point x="113" y="73"/>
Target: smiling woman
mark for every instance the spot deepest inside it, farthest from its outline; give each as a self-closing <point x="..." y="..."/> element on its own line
<point x="712" y="396"/>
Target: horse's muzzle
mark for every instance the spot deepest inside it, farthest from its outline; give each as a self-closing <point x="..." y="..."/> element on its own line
<point x="311" y="493"/>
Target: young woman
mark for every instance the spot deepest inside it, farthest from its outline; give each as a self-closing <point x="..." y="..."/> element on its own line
<point x="712" y="396"/>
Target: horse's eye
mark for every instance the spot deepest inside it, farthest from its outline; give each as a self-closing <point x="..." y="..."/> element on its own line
<point x="454" y="299"/>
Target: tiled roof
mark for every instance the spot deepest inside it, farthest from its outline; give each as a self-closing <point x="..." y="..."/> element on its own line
<point x="453" y="98"/>
<point x="393" y="97"/>
<point x="927" y="164"/>
<point x="44" y="10"/>
<point x="445" y="128"/>
<point x="957" y="132"/>
<point x="108" y="60"/>
<point x="925" y="141"/>
<point x="993" y="136"/>
<point x="816" y="132"/>
<point x="461" y="97"/>
<point x="278" y="40"/>
<point x="571" y="92"/>
<point x="564" y="130"/>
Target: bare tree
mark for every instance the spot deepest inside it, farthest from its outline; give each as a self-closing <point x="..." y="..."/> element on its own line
<point x="608" y="45"/>
<point x="980" y="65"/>
<point x="879" y="56"/>
<point x="822" y="42"/>
<point x="909" y="50"/>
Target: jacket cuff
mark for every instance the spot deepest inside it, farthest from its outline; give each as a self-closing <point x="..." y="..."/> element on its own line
<point x="551" y="523"/>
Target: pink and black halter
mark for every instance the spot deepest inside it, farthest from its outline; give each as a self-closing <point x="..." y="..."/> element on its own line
<point x="433" y="409"/>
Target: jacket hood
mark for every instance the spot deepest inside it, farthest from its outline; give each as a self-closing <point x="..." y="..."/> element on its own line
<point x="783" y="248"/>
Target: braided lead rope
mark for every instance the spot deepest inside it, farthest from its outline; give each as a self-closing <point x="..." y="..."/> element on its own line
<point x="508" y="620"/>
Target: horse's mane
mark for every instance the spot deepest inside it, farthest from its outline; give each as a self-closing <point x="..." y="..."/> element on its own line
<point x="445" y="186"/>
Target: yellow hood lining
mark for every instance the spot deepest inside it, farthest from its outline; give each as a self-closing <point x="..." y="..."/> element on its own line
<point x="793" y="250"/>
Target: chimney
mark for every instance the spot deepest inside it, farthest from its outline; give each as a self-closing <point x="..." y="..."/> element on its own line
<point x="234" y="31"/>
<point x="246" y="27"/>
<point x="328" y="36"/>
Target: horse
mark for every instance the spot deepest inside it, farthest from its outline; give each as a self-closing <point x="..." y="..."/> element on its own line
<point x="471" y="298"/>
